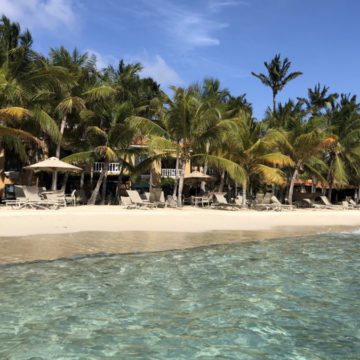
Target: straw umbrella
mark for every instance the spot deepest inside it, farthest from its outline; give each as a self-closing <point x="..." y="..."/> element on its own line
<point x="53" y="164"/>
<point x="197" y="176"/>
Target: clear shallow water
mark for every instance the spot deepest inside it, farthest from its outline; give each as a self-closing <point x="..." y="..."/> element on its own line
<point x="281" y="299"/>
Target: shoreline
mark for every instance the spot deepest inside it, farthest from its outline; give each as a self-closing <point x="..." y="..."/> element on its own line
<point x="115" y="219"/>
<point x="31" y="235"/>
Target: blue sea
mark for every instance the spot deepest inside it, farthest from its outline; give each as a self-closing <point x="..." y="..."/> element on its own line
<point x="289" y="298"/>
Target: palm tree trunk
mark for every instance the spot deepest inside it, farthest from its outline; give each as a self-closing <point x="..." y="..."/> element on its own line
<point x="203" y="183"/>
<point x="274" y="103"/>
<point x="222" y="181"/>
<point x="176" y="173"/>
<point x="103" y="189"/>
<point x="244" y="188"/>
<point x="330" y="177"/>
<point x="119" y="180"/>
<point x="82" y="178"/>
<point x="95" y="192"/>
<point x="313" y="185"/>
<point x="2" y="169"/>
<point x="292" y="183"/>
<point x="181" y="183"/>
<point x="58" y="150"/>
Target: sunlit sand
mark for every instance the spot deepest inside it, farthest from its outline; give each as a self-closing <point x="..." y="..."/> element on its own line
<point x="29" y="235"/>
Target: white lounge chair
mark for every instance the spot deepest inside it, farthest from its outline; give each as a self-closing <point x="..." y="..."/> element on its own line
<point x="277" y="202"/>
<point x="138" y="201"/>
<point x="221" y="203"/>
<point x="327" y="203"/>
<point x="58" y="197"/>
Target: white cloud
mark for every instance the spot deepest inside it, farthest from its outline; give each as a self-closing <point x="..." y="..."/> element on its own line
<point x="158" y="69"/>
<point x="218" y="5"/>
<point x="188" y="28"/>
<point x="45" y="14"/>
<point x="102" y="61"/>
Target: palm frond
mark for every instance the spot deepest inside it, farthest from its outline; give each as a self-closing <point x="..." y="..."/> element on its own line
<point x="82" y="157"/>
<point x="100" y="93"/>
<point x="276" y="158"/>
<point x="47" y="124"/>
<point x="235" y="171"/>
<point x="14" y="112"/>
<point x="270" y="175"/>
<point x="6" y="131"/>
<point x="145" y="126"/>
<point x="68" y="105"/>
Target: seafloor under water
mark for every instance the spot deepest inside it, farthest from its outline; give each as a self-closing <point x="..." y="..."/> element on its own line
<point x="280" y="299"/>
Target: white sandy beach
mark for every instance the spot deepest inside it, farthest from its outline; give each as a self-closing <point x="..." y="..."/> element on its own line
<point x="115" y="219"/>
<point x="28" y="235"/>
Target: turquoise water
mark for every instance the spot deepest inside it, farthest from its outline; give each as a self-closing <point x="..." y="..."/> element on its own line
<point x="280" y="299"/>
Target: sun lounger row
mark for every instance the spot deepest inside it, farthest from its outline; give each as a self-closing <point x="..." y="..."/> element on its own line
<point x="33" y="197"/>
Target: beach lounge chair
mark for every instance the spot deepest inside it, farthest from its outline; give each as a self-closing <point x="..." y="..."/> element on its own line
<point x="313" y="205"/>
<point x="127" y="203"/>
<point x="264" y="203"/>
<point x="58" y="197"/>
<point x="348" y="206"/>
<point x="71" y="198"/>
<point x="277" y="202"/>
<point x="327" y="203"/>
<point x="353" y="204"/>
<point x="221" y="203"/>
<point x="20" y="198"/>
<point x="35" y="201"/>
<point x="138" y="201"/>
<point x="310" y="204"/>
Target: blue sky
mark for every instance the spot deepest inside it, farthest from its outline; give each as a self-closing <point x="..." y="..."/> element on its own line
<point x="181" y="42"/>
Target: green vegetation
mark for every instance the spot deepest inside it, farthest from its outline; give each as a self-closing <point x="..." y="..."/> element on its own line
<point x="62" y="105"/>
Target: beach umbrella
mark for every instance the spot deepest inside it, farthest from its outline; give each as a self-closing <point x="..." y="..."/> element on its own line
<point x="197" y="176"/>
<point x="53" y="164"/>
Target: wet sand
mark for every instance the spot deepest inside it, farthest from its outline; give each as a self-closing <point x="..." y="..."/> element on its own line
<point x="56" y="246"/>
<point x="29" y="235"/>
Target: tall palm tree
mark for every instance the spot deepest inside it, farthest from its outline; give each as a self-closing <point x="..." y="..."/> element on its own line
<point x="186" y="133"/>
<point x="277" y="76"/>
<point x="343" y="148"/>
<point x="257" y="154"/>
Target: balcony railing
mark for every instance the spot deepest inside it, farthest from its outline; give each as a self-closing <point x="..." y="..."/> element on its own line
<point x="114" y="168"/>
<point x="170" y="172"/>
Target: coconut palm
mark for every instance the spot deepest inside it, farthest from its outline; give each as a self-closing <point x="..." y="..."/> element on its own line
<point x="318" y="99"/>
<point x="256" y="154"/>
<point x="343" y="148"/>
<point x="277" y="76"/>
<point x="185" y="132"/>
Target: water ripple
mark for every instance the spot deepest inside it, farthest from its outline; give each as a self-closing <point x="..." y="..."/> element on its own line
<point x="281" y="299"/>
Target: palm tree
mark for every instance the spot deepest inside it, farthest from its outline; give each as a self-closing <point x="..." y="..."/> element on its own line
<point x="318" y="99"/>
<point x="343" y="147"/>
<point x="13" y="138"/>
<point x="185" y="132"/>
<point x="257" y="154"/>
<point x="277" y="76"/>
